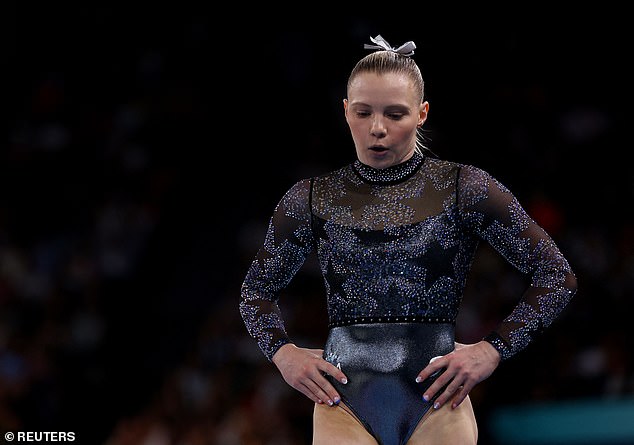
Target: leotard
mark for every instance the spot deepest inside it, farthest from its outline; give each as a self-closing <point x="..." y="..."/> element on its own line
<point x="395" y="247"/>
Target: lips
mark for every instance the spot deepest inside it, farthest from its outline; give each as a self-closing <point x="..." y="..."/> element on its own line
<point x="378" y="148"/>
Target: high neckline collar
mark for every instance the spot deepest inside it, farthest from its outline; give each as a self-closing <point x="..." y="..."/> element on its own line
<point x="389" y="175"/>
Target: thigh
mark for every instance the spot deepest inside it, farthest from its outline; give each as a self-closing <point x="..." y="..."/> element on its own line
<point x="337" y="424"/>
<point x="445" y="425"/>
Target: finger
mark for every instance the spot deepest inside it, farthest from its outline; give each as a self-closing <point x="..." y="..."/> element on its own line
<point x="318" y="352"/>
<point x="323" y="390"/>
<point x="450" y="391"/>
<point x="334" y="371"/>
<point x="427" y="372"/>
<point x="328" y="388"/>
<point x="459" y="397"/>
<point x="308" y="393"/>
<point x="435" y="365"/>
<point x="443" y="380"/>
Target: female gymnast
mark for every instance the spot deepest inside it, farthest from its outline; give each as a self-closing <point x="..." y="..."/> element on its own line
<point x="395" y="233"/>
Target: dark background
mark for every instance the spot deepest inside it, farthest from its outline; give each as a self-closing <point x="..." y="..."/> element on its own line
<point x="144" y="148"/>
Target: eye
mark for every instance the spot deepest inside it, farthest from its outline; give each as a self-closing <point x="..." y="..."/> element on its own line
<point x="362" y="113"/>
<point x="395" y="116"/>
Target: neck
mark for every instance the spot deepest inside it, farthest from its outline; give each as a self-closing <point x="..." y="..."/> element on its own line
<point x="389" y="175"/>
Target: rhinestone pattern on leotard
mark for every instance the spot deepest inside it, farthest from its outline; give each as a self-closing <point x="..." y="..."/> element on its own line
<point x="395" y="245"/>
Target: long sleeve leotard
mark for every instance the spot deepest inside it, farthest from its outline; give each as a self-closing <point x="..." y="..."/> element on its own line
<point x="396" y="245"/>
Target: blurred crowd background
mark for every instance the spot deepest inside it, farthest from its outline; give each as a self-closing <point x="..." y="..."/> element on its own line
<point x="145" y="147"/>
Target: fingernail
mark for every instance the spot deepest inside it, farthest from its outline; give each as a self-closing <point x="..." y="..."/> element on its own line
<point x="337" y="400"/>
<point x="436" y="405"/>
<point x="425" y="397"/>
<point x="418" y="379"/>
<point x="330" y="402"/>
<point x="344" y="381"/>
<point x="453" y="406"/>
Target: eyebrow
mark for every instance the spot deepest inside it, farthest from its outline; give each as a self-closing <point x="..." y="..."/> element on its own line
<point x="391" y="106"/>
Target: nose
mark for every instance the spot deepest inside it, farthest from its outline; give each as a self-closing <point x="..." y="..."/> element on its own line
<point x="378" y="129"/>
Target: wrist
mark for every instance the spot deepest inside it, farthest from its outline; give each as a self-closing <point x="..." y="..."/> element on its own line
<point x="499" y="344"/>
<point x="492" y="352"/>
<point x="281" y="352"/>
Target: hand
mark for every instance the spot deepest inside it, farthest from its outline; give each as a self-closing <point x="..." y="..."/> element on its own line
<point x="465" y="367"/>
<point x="304" y="370"/>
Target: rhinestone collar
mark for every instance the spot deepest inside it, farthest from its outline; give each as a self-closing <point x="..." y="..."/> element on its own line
<point x="389" y="175"/>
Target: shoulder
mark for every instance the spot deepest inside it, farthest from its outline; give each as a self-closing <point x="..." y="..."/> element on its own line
<point x="473" y="173"/>
<point x="478" y="178"/>
<point x="335" y="175"/>
<point x="441" y="167"/>
<point x="302" y="188"/>
<point x="471" y="181"/>
<point x="476" y="184"/>
<point x="298" y="192"/>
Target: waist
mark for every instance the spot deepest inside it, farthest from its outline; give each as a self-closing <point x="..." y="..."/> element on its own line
<point x="424" y="319"/>
<point x="388" y="346"/>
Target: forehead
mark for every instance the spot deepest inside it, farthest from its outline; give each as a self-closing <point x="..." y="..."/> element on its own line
<point x="368" y="87"/>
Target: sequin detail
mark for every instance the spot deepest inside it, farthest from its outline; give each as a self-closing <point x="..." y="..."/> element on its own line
<point x="396" y="245"/>
<point x="389" y="175"/>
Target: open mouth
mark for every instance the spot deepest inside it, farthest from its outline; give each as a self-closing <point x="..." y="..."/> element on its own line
<point x="378" y="148"/>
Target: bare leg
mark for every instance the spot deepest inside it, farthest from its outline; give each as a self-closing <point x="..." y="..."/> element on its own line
<point x="438" y="427"/>
<point x="338" y="425"/>
<point x="445" y="425"/>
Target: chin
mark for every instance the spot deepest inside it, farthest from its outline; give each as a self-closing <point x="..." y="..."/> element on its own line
<point x="379" y="161"/>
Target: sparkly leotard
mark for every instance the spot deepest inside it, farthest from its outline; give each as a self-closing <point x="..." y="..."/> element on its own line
<point x="395" y="247"/>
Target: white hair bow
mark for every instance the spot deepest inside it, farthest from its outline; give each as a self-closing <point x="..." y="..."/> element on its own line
<point x="406" y="49"/>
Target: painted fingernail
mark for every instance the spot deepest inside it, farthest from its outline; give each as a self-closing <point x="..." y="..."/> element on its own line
<point x="344" y="381"/>
<point x="418" y="379"/>
<point x="436" y="405"/>
<point x="337" y="400"/>
<point x="425" y="397"/>
<point x="330" y="402"/>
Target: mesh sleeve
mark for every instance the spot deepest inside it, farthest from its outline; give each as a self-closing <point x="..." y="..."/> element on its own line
<point x="287" y="243"/>
<point x="492" y="212"/>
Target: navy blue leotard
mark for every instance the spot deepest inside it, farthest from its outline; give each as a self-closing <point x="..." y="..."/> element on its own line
<point x="395" y="246"/>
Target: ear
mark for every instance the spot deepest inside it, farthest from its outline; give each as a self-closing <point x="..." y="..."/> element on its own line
<point x="345" y="110"/>
<point x="422" y="113"/>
